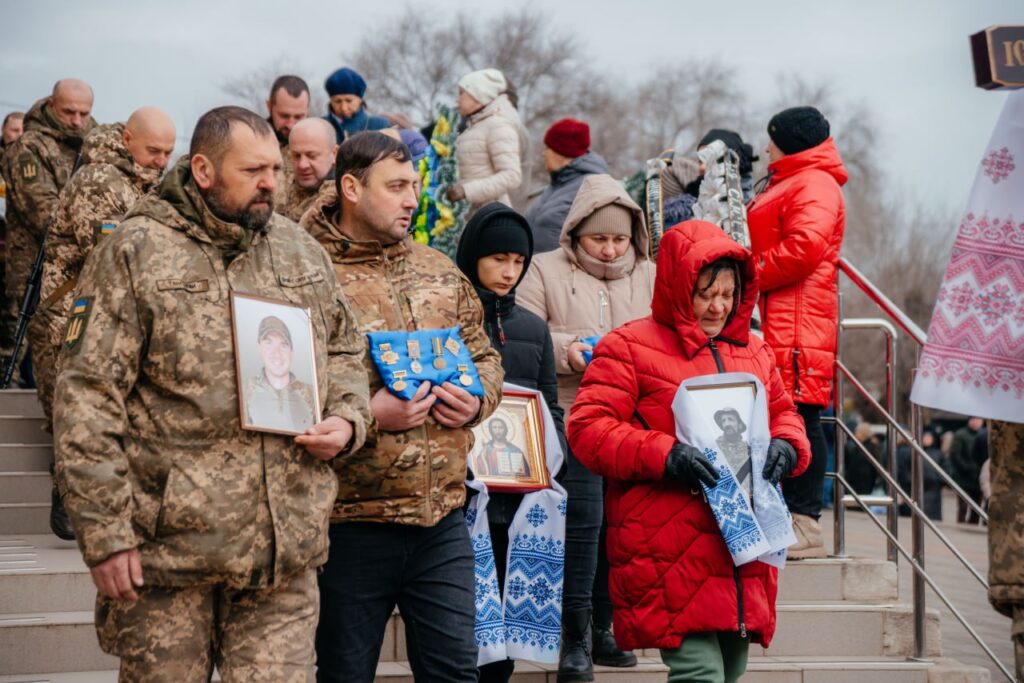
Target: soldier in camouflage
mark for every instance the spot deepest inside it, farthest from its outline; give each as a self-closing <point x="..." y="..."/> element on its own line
<point x="202" y="538"/>
<point x="118" y="164"/>
<point x="1006" y="529"/>
<point x="36" y="167"/>
<point x="275" y="398"/>
<point x="12" y="129"/>
<point x="313" y="148"/>
<point x="287" y="104"/>
<point x="400" y="499"/>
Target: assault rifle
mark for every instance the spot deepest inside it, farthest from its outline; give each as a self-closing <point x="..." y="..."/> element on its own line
<point x="29" y="302"/>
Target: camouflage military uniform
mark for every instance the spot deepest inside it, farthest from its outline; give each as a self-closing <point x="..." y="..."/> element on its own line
<point x="90" y="206"/>
<point x="414" y="477"/>
<point x="280" y="409"/>
<point x="287" y="174"/>
<point x="150" y="453"/>
<point x="36" y="167"/>
<point x="299" y="199"/>
<point x="1006" y="529"/>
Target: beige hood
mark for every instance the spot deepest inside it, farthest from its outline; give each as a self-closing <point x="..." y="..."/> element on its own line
<point x="600" y="190"/>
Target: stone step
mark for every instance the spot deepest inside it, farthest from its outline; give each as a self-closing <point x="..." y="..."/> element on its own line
<point x="25" y="518"/>
<point x="22" y="402"/>
<point x="837" y="580"/>
<point x="25" y="487"/>
<point x="41" y="573"/>
<point x="15" y="429"/>
<point x="25" y="457"/>
<point x="38" y="642"/>
<point x="759" y="670"/>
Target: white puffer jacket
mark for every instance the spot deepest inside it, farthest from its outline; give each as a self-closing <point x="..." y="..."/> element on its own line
<point x="489" y="154"/>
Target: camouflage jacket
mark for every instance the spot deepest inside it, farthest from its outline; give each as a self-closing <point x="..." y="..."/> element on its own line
<point x="285" y="176"/>
<point x="90" y="206"/>
<point x="414" y="477"/>
<point x="299" y="200"/>
<point x="149" y="448"/>
<point x="36" y="167"/>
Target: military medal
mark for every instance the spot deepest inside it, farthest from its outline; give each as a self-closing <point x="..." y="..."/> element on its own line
<point x="464" y="379"/>
<point x="452" y="346"/>
<point x="414" y="354"/>
<point x="435" y="343"/>
<point x="399" y="384"/>
<point x="387" y="356"/>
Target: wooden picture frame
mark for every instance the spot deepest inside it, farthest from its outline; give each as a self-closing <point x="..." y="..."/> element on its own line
<point x="513" y="459"/>
<point x="275" y="365"/>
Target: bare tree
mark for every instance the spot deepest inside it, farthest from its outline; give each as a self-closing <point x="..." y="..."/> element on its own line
<point x="252" y="89"/>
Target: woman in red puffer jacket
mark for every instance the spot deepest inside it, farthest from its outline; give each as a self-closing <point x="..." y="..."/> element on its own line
<point x="796" y="231"/>
<point x="673" y="582"/>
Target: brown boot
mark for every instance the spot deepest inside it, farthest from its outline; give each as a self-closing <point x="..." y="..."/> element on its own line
<point x="809" y="543"/>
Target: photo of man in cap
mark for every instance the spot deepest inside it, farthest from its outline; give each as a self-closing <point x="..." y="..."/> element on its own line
<point x="732" y="445"/>
<point x="274" y="398"/>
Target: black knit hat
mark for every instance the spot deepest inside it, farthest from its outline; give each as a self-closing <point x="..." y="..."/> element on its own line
<point x="494" y="229"/>
<point x="799" y="128"/>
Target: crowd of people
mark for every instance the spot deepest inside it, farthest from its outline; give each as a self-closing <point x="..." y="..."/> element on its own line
<point x="272" y="556"/>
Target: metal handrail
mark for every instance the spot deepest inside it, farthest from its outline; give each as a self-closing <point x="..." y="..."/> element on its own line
<point x="920" y="572"/>
<point x="883" y="302"/>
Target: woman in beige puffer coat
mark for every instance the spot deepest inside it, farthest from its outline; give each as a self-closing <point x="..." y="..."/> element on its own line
<point x="490" y="150"/>
<point x="601" y="278"/>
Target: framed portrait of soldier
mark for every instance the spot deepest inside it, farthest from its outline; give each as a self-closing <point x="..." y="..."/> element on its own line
<point x="275" y="364"/>
<point x="729" y="407"/>
<point x="508" y="449"/>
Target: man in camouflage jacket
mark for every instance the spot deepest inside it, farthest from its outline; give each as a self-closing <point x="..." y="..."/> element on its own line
<point x="400" y="498"/>
<point x="1006" y="529"/>
<point x="203" y="539"/>
<point x="312" y="148"/>
<point x="36" y="167"/>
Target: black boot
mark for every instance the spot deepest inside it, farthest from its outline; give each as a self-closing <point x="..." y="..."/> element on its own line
<point x="574" y="660"/>
<point x="59" y="522"/>
<point x="606" y="652"/>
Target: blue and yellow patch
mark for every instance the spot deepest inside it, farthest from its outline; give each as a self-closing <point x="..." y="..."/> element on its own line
<point x="105" y="227"/>
<point x="77" y="322"/>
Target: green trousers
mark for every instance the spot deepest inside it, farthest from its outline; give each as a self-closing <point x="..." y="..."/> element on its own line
<point x="715" y="657"/>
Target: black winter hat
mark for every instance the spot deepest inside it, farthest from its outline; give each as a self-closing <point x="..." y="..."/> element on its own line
<point x="493" y="229"/>
<point x="734" y="142"/>
<point x="798" y="128"/>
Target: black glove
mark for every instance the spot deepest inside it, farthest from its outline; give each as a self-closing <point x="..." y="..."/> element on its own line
<point x="689" y="466"/>
<point x="781" y="460"/>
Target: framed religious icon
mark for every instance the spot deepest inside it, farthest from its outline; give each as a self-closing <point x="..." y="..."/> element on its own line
<point x="508" y="450"/>
<point x="729" y="408"/>
<point x="275" y="364"/>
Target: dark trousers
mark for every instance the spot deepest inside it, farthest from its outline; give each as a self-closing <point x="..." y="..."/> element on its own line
<point x="499" y="672"/>
<point x="427" y="572"/>
<point x="583" y="517"/>
<point x="804" y="494"/>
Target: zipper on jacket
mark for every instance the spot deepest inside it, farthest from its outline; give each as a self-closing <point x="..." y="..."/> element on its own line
<point x="714" y="353"/>
<point x="741" y="619"/>
<point x="796" y="372"/>
<point x="602" y="307"/>
<point x="739" y="602"/>
<point x="426" y="437"/>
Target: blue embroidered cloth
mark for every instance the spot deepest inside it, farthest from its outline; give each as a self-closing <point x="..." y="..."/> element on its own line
<point x="395" y="352"/>
<point x="755" y="525"/>
<point x="588" y="355"/>
<point x="526" y="624"/>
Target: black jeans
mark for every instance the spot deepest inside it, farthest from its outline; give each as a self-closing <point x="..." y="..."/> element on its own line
<point x="427" y="572"/>
<point x="583" y="518"/>
<point x="804" y="494"/>
<point x="501" y="671"/>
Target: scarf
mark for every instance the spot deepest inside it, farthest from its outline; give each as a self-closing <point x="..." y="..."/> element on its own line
<point x="616" y="269"/>
<point x="526" y="624"/>
<point x="755" y="526"/>
<point x="973" y="362"/>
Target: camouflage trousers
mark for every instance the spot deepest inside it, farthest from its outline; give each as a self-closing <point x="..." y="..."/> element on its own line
<point x="177" y="635"/>
<point x="1006" y="529"/>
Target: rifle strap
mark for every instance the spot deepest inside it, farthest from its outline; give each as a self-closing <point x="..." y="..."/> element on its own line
<point x="67" y="287"/>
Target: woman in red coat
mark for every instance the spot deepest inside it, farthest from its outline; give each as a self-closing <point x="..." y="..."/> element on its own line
<point x="796" y="231"/>
<point x="673" y="582"/>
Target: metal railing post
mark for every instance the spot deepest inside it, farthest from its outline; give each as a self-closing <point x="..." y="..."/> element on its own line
<point x="917" y="535"/>
<point x="892" y="514"/>
<point x="839" y="517"/>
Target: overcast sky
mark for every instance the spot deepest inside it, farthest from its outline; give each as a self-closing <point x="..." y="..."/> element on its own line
<point x="909" y="61"/>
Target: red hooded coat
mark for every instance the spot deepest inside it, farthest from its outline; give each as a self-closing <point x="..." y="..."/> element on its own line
<point x="671" y="573"/>
<point x="796" y="231"/>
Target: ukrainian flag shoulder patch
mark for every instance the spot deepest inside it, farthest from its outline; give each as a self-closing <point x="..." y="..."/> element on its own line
<point x="78" y="321"/>
<point x="104" y="228"/>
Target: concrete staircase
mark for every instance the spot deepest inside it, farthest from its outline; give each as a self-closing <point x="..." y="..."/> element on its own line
<point x="838" y="620"/>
